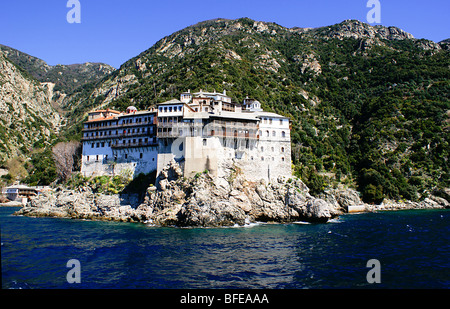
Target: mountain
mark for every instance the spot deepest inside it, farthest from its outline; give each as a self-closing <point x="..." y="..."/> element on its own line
<point x="28" y="118"/>
<point x="31" y="116"/>
<point x="369" y="105"/>
<point x="65" y="77"/>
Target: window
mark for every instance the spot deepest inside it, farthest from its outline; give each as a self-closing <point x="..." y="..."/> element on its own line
<point x="270" y="121"/>
<point x="126" y="156"/>
<point x="141" y="155"/>
<point x="262" y="158"/>
<point x="282" y="159"/>
<point x="273" y="149"/>
<point x="103" y="144"/>
<point x="96" y="157"/>
<point x="283" y="134"/>
<point x="97" y="145"/>
<point x="274" y="133"/>
<point x="281" y="122"/>
<point x="282" y="149"/>
<point x="267" y="133"/>
<point x="88" y="158"/>
<point x="262" y="149"/>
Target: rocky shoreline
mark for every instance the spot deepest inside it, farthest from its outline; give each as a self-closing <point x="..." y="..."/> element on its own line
<point x="206" y="201"/>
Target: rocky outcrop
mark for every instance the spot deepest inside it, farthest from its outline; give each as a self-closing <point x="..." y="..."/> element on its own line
<point x="433" y="202"/>
<point x="205" y="201"/>
<point x="82" y="204"/>
<point x="200" y="201"/>
<point x="208" y="201"/>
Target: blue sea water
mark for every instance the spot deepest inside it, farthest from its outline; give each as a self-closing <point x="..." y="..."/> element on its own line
<point x="411" y="246"/>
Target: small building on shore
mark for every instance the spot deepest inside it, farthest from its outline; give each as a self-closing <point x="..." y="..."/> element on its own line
<point x="20" y="193"/>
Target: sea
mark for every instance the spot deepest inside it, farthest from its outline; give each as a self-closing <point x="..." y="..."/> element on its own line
<point x="387" y="250"/>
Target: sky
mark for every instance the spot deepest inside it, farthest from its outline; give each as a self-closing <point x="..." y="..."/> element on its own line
<point x="113" y="31"/>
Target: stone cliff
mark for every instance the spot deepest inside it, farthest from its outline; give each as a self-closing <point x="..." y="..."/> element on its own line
<point x="200" y="201"/>
<point x="205" y="201"/>
<point x="27" y="114"/>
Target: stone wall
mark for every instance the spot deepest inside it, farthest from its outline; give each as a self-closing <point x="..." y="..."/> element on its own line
<point x="130" y="161"/>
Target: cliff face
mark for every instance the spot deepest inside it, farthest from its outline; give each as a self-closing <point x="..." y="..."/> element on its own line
<point x="31" y="108"/>
<point x="202" y="201"/>
<point x="27" y="115"/>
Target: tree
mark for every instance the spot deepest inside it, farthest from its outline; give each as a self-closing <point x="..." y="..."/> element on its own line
<point x="65" y="156"/>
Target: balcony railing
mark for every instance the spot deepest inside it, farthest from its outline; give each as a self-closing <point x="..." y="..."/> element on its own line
<point x="176" y="134"/>
<point x="136" y="144"/>
<point x="120" y="126"/>
<point x="120" y="135"/>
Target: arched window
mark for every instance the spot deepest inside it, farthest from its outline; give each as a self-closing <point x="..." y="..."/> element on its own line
<point x="283" y="134"/>
<point x="282" y="149"/>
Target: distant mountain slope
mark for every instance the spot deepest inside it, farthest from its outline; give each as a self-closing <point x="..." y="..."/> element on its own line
<point x="27" y="116"/>
<point x="65" y="77"/>
<point x="31" y="115"/>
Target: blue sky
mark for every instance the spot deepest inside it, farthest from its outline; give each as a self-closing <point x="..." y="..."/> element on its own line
<point x="113" y="31"/>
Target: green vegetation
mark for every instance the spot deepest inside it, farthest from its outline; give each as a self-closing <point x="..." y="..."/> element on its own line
<point x="112" y="184"/>
<point x="41" y="169"/>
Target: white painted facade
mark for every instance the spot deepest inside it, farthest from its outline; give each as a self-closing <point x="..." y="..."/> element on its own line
<point x="119" y="144"/>
<point x="201" y="131"/>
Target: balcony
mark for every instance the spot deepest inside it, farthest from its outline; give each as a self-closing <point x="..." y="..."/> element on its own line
<point x="119" y="126"/>
<point x="133" y="145"/>
<point x="120" y="135"/>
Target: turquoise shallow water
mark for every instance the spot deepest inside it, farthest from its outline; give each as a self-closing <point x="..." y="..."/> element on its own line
<point x="411" y="246"/>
